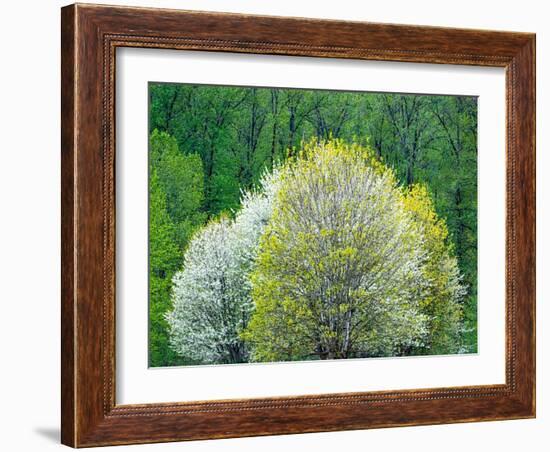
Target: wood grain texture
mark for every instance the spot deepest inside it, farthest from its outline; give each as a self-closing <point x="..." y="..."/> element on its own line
<point x="68" y="146"/>
<point x="90" y="36"/>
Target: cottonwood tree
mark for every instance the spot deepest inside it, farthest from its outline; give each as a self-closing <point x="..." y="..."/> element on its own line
<point x="340" y="267"/>
<point x="211" y="296"/>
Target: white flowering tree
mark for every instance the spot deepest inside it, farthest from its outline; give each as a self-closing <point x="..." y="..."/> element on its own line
<point x="211" y="296"/>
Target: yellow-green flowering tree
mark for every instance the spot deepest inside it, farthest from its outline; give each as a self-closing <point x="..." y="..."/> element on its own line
<point x="444" y="291"/>
<point x="350" y="263"/>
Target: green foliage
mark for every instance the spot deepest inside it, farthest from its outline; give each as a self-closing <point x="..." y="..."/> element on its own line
<point x="175" y="199"/>
<point x="182" y="178"/>
<point x="164" y="258"/>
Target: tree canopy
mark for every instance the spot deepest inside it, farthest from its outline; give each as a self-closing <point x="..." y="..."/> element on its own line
<point x="328" y="258"/>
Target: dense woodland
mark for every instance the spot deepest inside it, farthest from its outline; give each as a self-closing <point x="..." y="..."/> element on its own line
<point x="209" y="143"/>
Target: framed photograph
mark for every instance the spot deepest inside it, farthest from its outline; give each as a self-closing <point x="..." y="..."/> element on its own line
<point x="281" y="225"/>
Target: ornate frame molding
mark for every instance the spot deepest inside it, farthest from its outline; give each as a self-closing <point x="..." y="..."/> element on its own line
<point x="90" y="37"/>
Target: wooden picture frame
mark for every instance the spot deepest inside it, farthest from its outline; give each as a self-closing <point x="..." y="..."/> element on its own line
<point x="90" y="36"/>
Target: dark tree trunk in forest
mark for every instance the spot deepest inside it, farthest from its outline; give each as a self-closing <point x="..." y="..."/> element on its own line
<point x="170" y="112"/>
<point x="274" y="113"/>
<point x="292" y="130"/>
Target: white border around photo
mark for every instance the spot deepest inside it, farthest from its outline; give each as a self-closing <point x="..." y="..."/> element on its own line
<point x="136" y="383"/>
